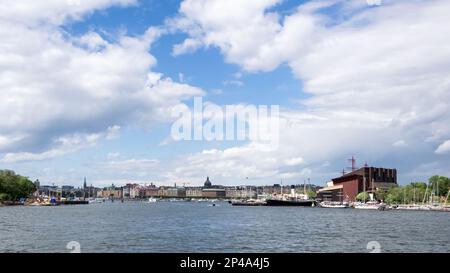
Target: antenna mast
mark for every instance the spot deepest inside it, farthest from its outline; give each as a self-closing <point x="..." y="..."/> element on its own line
<point x="353" y="161"/>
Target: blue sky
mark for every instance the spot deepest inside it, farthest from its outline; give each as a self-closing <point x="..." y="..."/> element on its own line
<point x="349" y="78"/>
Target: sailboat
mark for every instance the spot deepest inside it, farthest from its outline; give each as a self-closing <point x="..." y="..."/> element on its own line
<point x="334" y="205"/>
<point x="369" y="205"/>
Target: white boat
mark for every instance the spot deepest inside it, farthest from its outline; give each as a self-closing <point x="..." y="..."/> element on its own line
<point x="370" y="205"/>
<point x="409" y="207"/>
<point x="96" y="200"/>
<point x="334" y="205"/>
<point x="152" y="200"/>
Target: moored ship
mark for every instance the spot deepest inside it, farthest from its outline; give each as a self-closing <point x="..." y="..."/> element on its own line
<point x="292" y="200"/>
<point x="290" y="203"/>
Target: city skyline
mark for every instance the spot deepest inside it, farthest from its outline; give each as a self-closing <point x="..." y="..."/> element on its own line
<point x="89" y="88"/>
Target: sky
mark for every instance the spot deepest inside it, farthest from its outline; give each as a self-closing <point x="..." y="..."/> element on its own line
<point x="90" y="88"/>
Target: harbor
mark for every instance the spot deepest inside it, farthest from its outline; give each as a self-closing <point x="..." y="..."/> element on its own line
<point x="192" y="226"/>
<point x="364" y="188"/>
<point x="343" y="216"/>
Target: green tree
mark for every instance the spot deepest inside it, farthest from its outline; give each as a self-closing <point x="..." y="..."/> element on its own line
<point x="363" y="196"/>
<point x="440" y="184"/>
<point x="395" y="195"/>
<point x="311" y="193"/>
<point x="381" y="194"/>
<point x="14" y="186"/>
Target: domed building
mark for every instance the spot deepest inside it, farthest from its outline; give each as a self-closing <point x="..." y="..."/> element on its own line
<point x="212" y="192"/>
<point x="207" y="184"/>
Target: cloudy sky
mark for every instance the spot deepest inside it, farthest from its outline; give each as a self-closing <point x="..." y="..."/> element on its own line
<point x="88" y="88"/>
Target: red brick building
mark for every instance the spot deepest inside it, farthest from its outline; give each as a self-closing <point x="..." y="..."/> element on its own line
<point x="348" y="186"/>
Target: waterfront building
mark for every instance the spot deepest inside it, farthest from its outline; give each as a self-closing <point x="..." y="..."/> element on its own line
<point x="131" y="191"/>
<point x="179" y="192"/>
<point x="112" y="192"/>
<point x="210" y="191"/>
<point x="194" y="192"/>
<point x="49" y="191"/>
<point x="87" y="191"/>
<point x="214" y="193"/>
<point x="241" y="192"/>
<point x="151" y="191"/>
<point x="348" y="186"/>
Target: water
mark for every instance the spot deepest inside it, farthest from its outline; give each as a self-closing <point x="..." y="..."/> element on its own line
<point x="197" y="227"/>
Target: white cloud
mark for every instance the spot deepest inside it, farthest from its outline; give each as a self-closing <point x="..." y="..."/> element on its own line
<point x="209" y="24"/>
<point x="400" y="143"/>
<point x="53" y="11"/>
<point x="129" y="165"/>
<point x="294" y="161"/>
<point x="113" y="132"/>
<point x="444" y="148"/>
<point x="54" y="84"/>
<point x="233" y="82"/>
<point x="370" y="85"/>
<point x="62" y="146"/>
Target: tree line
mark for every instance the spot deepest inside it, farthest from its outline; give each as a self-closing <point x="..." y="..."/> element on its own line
<point x="437" y="189"/>
<point x="14" y="187"/>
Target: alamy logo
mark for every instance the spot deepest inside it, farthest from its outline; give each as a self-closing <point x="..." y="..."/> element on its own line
<point x="74" y="247"/>
<point x="211" y="122"/>
<point x="374" y="247"/>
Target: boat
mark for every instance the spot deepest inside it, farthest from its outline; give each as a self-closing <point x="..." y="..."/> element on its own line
<point x="152" y="200"/>
<point x="290" y="203"/>
<point x="409" y="207"/>
<point x="291" y="200"/>
<point x="334" y="205"/>
<point x="96" y="200"/>
<point x="370" y="205"/>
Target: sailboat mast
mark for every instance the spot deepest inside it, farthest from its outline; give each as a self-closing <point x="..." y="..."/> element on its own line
<point x="425" y="195"/>
<point x="304" y="186"/>
<point x="364" y="189"/>
<point x="281" y="188"/>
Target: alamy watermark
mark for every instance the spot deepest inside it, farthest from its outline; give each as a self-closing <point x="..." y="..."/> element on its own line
<point x="74" y="247"/>
<point x="374" y="247"/>
<point x="211" y="122"/>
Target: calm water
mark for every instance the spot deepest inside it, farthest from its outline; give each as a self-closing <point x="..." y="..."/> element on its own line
<point x="196" y="227"/>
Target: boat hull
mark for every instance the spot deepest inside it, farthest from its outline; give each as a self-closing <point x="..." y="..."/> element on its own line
<point x="367" y="207"/>
<point x="288" y="203"/>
